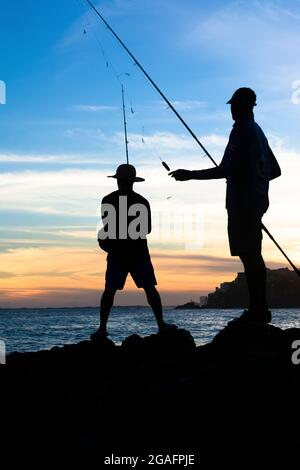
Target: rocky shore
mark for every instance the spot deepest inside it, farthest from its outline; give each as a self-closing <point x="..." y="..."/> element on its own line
<point x="283" y="291"/>
<point x="158" y="393"/>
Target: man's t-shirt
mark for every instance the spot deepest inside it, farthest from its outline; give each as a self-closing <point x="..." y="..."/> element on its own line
<point x="131" y="224"/>
<point x="248" y="165"/>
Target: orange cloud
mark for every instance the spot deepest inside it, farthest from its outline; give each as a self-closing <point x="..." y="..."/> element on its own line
<point x="64" y="276"/>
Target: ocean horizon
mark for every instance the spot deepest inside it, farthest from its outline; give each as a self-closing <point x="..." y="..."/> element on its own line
<point x="34" y="329"/>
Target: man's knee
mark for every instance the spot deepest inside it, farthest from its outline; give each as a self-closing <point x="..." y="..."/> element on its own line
<point x="109" y="292"/>
<point x="252" y="258"/>
<point x="150" y="290"/>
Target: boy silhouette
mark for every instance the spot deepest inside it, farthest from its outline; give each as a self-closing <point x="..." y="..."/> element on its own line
<point x="126" y="217"/>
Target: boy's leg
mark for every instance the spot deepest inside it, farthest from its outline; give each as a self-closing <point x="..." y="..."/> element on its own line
<point x="115" y="278"/>
<point x="154" y="300"/>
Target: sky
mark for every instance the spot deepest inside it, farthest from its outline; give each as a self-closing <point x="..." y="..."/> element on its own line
<point x="61" y="134"/>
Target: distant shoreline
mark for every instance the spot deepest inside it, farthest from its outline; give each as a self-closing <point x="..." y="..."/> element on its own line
<point x="82" y="308"/>
<point x="175" y="307"/>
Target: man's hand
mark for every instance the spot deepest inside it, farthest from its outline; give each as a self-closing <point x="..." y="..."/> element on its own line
<point x="181" y="175"/>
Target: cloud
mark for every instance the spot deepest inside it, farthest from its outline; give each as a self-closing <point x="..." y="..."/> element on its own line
<point x="51" y="159"/>
<point x="197" y="262"/>
<point x="171" y="143"/>
<point x="192" y="257"/>
<point x="70" y="276"/>
<point x="89" y="22"/>
<point x="6" y="275"/>
<point x="254" y="41"/>
<point x="94" y="108"/>
<point x="47" y="274"/>
<point x="187" y="105"/>
<point x="77" y="193"/>
<point x="251" y="30"/>
<point x="79" y="132"/>
<point x="54" y="298"/>
<point x="142" y="146"/>
<point x="51" y="267"/>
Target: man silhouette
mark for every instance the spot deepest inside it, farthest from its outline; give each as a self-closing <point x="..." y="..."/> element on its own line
<point x="248" y="165"/>
<point x="126" y="218"/>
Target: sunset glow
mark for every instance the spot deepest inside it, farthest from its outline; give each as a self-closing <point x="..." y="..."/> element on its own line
<point x="61" y="136"/>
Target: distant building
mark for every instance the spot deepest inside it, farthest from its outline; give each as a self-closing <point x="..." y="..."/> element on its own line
<point x="283" y="291"/>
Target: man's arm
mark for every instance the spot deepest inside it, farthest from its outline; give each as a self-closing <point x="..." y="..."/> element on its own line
<point x="209" y="174"/>
<point x="227" y="166"/>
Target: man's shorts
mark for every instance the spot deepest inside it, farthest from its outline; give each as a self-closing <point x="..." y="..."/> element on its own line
<point x="244" y="232"/>
<point x="139" y="267"/>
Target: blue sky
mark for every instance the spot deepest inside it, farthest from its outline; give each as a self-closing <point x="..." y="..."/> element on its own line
<point x="61" y="127"/>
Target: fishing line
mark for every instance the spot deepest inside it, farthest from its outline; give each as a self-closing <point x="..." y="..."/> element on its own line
<point x="125" y="125"/>
<point x="108" y="62"/>
<point x="111" y="68"/>
<point x="88" y="26"/>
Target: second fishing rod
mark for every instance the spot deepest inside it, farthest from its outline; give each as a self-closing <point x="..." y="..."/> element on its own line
<point x="170" y="105"/>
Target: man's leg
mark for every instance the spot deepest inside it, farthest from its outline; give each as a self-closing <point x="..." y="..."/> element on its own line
<point x="106" y="304"/>
<point x="255" y="271"/>
<point x="154" y="301"/>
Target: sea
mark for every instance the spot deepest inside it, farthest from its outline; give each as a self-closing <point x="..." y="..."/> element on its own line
<point x="43" y="328"/>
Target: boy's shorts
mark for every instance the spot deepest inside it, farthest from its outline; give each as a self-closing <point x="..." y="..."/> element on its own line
<point x="140" y="268"/>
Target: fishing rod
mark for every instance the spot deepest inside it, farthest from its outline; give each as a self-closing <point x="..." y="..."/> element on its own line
<point x="297" y="271"/>
<point x="125" y="124"/>
<point x="170" y="105"/>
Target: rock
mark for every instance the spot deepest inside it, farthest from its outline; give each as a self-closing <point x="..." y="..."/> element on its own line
<point x="188" y="306"/>
<point x="160" y="392"/>
<point x="245" y="337"/>
<point x="167" y="343"/>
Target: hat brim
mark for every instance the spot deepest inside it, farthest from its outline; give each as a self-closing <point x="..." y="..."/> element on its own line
<point x="232" y="100"/>
<point x="137" y="179"/>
